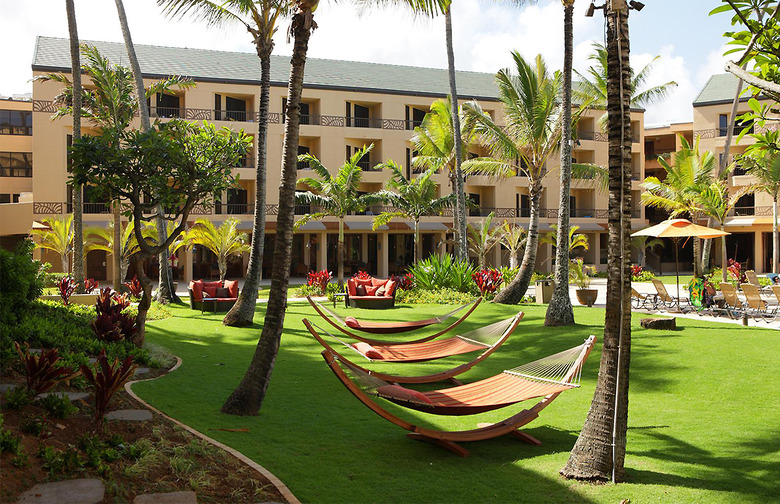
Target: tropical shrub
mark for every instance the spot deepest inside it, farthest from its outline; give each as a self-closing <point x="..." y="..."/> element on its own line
<point x="21" y="278"/>
<point x="537" y="276"/>
<point x="638" y="274"/>
<point x="42" y="372"/>
<point x="439" y="296"/>
<point x="135" y="288"/>
<point x="58" y="406"/>
<point x="111" y="323"/>
<point x="488" y="281"/>
<point x="319" y="280"/>
<point x="735" y="270"/>
<point x="66" y="287"/>
<point x="579" y="274"/>
<point x="403" y="282"/>
<point x="508" y="274"/>
<point x="90" y="285"/>
<point x="362" y="275"/>
<point x="437" y="272"/>
<point x="107" y="379"/>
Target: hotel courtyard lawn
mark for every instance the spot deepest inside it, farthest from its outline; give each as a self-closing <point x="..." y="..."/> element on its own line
<point x="703" y="414"/>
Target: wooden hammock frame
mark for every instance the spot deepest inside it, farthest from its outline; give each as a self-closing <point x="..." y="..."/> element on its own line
<point x="449" y="374"/>
<point x="450" y="439"/>
<point x="392" y="327"/>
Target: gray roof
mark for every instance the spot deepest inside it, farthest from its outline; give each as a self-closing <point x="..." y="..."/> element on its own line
<point x="53" y="54"/>
<point x="720" y="88"/>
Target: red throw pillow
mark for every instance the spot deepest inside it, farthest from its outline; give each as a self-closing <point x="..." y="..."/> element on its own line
<point x="377" y="282"/>
<point x="232" y="287"/>
<point x="371" y="290"/>
<point x="403" y="394"/>
<point x="363" y="281"/>
<point x="352" y="322"/>
<point x="367" y="350"/>
<point x="389" y="288"/>
<point x="351" y="287"/>
<point x="197" y="290"/>
<point x="360" y="290"/>
<point x="210" y="290"/>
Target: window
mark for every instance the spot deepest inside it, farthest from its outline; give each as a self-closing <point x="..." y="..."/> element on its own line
<point x="525" y="205"/>
<point x="358" y="115"/>
<point x="237" y="201"/>
<point x="745" y="205"/>
<point x="167" y="106"/>
<point x="414" y="117"/>
<point x="723" y="124"/>
<point x="15" y="164"/>
<point x="15" y="122"/>
<point x="303" y="165"/>
<point x="305" y="113"/>
<point x="739" y="127"/>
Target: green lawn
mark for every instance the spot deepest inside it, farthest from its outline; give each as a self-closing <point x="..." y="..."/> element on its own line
<point x="671" y="279"/>
<point x="703" y="415"/>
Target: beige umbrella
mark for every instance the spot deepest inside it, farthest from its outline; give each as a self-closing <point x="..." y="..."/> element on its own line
<point x="676" y="229"/>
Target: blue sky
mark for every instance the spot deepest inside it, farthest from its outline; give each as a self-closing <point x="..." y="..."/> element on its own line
<point x="689" y="41"/>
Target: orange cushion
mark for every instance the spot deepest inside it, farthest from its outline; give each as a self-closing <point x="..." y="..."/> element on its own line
<point x="377" y="282"/>
<point x="371" y="290"/>
<point x="197" y="290"/>
<point x="364" y="282"/>
<point x="367" y="350"/>
<point x="210" y="290"/>
<point x="351" y="287"/>
<point x="403" y="394"/>
<point x="232" y="287"/>
<point x="389" y="288"/>
<point x="352" y="322"/>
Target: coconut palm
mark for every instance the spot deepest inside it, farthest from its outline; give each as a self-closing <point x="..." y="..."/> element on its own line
<point x="593" y="85"/>
<point x="103" y="239"/>
<point x="532" y="111"/>
<point x="259" y="18"/>
<point x="690" y="174"/>
<point x="512" y="237"/>
<point x="482" y="239"/>
<point x="77" y="194"/>
<point x="575" y="240"/>
<point x="763" y="162"/>
<point x="642" y="243"/>
<point x="411" y="199"/>
<point x="225" y="241"/>
<point x="336" y="196"/>
<point x="58" y="238"/>
<point x="600" y="450"/>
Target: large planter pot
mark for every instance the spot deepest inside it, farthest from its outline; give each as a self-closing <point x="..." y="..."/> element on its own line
<point x="587" y="296"/>
<point x="544" y="290"/>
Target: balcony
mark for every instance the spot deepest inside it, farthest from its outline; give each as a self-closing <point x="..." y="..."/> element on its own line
<point x="167" y="112"/>
<point x="751" y="211"/>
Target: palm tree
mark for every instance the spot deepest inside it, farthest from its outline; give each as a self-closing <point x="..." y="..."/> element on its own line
<point x="103" y="239"/>
<point x="412" y="199"/>
<point x="593" y="86"/>
<point x="763" y="162"/>
<point x="224" y="241"/>
<point x="512" y="237"/>
<point x="78" y="195"/>
<point x="599" y="452"/>
<point x="575" y="240"/>
<point x="259" y="17"/>
<point x="336" y="196"/>
<point x="642" y="243"/>
<point x="58" y="238"/>
<point x="247" y="398"/>
<point x="533" y="115"/>
<point x="482" y="239"/>
<point x="690" y="174"/>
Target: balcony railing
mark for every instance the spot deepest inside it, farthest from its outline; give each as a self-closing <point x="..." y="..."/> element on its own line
<point x="761" y="211"/>
<point x="167" y="112"/>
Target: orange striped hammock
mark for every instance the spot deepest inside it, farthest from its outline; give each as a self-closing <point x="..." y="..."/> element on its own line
<point x="486" y="339"/>
<point x="344" y="325"/>
<point x="545" y="378"/>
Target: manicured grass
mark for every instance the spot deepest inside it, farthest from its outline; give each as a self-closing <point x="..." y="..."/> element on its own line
<point x="703" y="415"/>
<point x="671" y="279"/>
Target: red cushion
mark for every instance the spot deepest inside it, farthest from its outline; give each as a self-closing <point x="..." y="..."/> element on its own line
<point x="378" y="282"/>
<point x="352" y="322"/>
<point x="371" y="290"/>
<point x="360" y="290"/>
<point x="351" y="287"/>
<point x="197" y="290"/>
<point x="389" y="288"/>
<point x="367" y="350"/>
<point x="364" y="281"/>
<point x="232" y="286"/>
<point x="403" y="394"/>
<point x="210" y="290"/>
<point x="212" y="284"/>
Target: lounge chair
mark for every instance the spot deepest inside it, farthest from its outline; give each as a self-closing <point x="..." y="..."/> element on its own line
<point x="667" y="301"/>
<point x="486" y="339"/>
<point x="732" y="305"/>
<point x="344" y="325"/>
<point x="545" y="378"/>
<point x="757" y="306"/>
<point x="641" y="301"/>
<point x="752" y="279"/>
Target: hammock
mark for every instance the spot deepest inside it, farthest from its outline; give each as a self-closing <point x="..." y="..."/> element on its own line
<point x="389" y="327"/>
<point x="486" y="339"/>
<point x="545" y="378"/>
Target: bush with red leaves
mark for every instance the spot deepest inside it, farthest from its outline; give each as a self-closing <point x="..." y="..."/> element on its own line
<point x="111" y="324"/>
<point x="403" y="282"/>
<point x="320" y="279"/>
<point x="91" y="285"/>
<point x="66" y="286"/>
<point x="135" y="287"/>
<point x="488" y="280"/>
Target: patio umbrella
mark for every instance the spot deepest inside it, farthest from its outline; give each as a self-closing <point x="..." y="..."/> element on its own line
<point x="676" y="229"/>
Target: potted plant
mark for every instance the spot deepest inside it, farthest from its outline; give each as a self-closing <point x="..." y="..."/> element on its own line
<point x="579" y="275"/>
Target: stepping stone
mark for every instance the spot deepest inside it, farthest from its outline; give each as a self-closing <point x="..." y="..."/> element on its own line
<point x="662" y="324"/>
<point x="130" y="415"/>
<point x="77" y="491"/>
<point x="73" y="396"/>
<point x="5" y="387"/>
<point x="167" y="498"/>
<point x="92" y="360"/>
<point x="142" y="370"/>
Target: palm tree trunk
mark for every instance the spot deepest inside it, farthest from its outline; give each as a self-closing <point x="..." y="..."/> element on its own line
<point x="78" y="195"/>
<point x="340" y="252"/>
<point x="599" y="452"/>
<point x="242" y="313"/>
<point x="222" y="263"/>
<point x="417" y="244"/>
<point x="723" y="256"/>
<point x="775" y="236"/>
<point x="514" y="292"/>
<point x="119" y="268"/>
<point x="165" y="290"/>
<point x="559" y="311"/>
<point x="249" y="395"/>
<point x="460" y="199"/>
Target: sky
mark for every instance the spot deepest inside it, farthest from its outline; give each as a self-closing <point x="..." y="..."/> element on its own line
<point x="689" y="42"/>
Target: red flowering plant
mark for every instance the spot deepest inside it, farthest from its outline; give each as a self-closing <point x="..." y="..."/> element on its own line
<point x="636" y="270"/>
<point x="90" y="285"/>
<point x="403" y="282"/>
<point x="320" y="280"/>
<point x="488" y="281"/>
<point x="735" y="270"/>
<point x="66" y="286"/>
<point x="362" y="275"/>
<point x="135" y="288"/>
